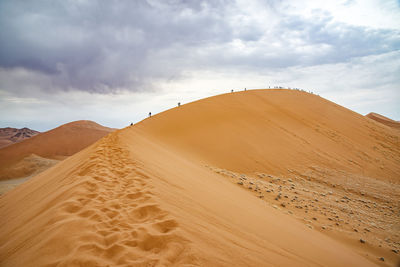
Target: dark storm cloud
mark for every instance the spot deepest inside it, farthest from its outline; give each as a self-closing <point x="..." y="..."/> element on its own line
<point x="103" y="44"/>
<point x="106" y="46"/>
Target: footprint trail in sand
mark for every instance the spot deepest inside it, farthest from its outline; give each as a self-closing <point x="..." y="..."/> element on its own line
<point x="127" y="225"/>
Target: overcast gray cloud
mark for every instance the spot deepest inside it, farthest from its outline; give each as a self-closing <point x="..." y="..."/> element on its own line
<point x="104" y="45"/>
<point x="48" y="48"/>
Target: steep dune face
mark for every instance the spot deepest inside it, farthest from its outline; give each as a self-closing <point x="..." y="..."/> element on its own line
<point x="146" y="195"/>
<point x="384" y="120"/>
<point x="58" y="143"/>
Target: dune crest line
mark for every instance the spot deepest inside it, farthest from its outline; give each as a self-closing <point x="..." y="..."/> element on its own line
<point x="120" y="222"/>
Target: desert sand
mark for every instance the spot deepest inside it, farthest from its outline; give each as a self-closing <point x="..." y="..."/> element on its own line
<point x="255" y="178"/>
<point x="384" y="120"/>
<point x="10" y="135"/>
<point x="33" y="155"/>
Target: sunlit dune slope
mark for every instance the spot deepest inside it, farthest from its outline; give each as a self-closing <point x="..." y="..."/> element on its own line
<point x="384" y="120"/>
<point x="276" y="131"/>
<point x="58" y="143"/>
<point x="142" y="196"/>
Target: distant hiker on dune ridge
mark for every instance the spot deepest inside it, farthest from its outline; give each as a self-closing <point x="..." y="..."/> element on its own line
<point x="149" y="114"/>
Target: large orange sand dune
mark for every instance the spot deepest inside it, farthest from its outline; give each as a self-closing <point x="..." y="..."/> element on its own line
<point x="158" y="194"/>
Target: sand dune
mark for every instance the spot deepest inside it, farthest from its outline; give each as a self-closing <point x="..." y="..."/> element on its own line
<point x="276" y="131"/>
<point x="384" y="120"/>
<point x="10" y="136"/>
<point x="55" y="144"/>
<point x="25" y="169"/>
<point x="188" y="187"/>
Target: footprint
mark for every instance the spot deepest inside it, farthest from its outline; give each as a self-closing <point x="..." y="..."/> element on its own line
<point x="134" y="195"/>
<point x="111" y="214"/>
<point x="92" y="195"/>
<point x="174" y="251"/>
<point x="165" y="226"/>
<point x="99" y="178"/>
<point x="95" y="217"/>
<point x="87" y="169"/>
<point x="86" y="213"/>
<point x="155" y="243"/>
<point x="101" y="199"/>
<point x="91" y="186"/>
<point x="84" y="201"/>
<point x="104" y="232"/>
<point x="71" y="207"/>
<point x="116" y="206"/>
<point x="112" y="238"/>
<point x="131" y="243"/>
<point x="147" y="212"/>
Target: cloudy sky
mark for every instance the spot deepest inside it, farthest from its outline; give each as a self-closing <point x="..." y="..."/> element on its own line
<point x="114" y="61"/>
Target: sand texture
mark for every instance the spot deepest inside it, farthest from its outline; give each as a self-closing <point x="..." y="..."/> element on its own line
<point x="384" y="120"/>
<point x="255" y="178"/>
<point x="55" y="144"/>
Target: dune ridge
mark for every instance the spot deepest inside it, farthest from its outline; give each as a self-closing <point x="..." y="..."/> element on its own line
<point x="166" y="191"/>
<point x="96" y="198"/>
<point x="276" y="131"/>
<point x="384" y="120"/>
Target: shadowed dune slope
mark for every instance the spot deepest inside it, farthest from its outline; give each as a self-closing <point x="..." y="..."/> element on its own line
<point x="58" y="143"/>
<point x="142" y="196"/>
<point x="384" y="120"/>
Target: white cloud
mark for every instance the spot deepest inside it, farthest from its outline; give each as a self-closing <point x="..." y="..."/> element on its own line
<point x="369" y="13"/>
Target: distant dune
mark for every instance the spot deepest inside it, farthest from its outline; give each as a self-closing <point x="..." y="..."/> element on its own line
<point x="55" y="144"/>
<point x="384" y="120"/>
<point x="255" y="178"/>
<point x="10" y="136"/>
<point x="25" y="169"/>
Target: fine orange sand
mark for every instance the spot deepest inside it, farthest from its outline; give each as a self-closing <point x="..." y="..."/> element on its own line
<point x="384" y="120"/>
<point x="189" y="187"/>
<point x="56" y="144"/>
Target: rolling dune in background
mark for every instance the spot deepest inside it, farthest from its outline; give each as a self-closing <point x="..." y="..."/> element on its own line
<point x="55" y="144"/>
